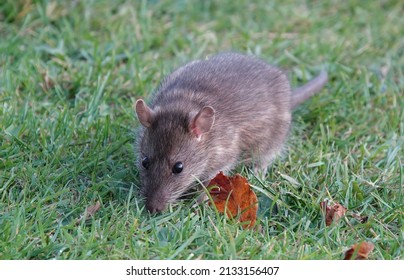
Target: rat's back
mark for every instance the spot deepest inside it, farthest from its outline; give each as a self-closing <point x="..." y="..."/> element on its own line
<point x="228" y="82"/>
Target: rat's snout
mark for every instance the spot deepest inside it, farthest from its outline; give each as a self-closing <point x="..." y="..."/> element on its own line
<point x="155" y="205"/>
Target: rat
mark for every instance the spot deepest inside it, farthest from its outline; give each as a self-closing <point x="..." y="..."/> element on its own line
<point x="209" y="116"/>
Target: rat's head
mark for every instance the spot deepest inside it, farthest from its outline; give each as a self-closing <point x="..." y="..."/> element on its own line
<point x="171" y="151"/>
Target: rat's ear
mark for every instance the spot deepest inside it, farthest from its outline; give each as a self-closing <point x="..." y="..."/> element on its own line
<point x="202" y="122"/>
<point x="144" y="113"/>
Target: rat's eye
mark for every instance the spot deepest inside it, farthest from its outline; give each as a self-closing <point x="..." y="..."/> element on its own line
<point x="146" y="162"/>
<point x="177" y="168"/>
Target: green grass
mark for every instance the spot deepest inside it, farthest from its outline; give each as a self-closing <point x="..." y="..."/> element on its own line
<point x="70" y="72"/>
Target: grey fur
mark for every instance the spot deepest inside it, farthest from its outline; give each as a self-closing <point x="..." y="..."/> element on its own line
<point x="252" y="104"/>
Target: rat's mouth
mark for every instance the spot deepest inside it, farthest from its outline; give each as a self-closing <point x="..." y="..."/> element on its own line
<point x="157" y="200"/>
<point x="158" y="205"/>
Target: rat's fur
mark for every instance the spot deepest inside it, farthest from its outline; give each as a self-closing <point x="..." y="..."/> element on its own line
<point x="244" y="108"/>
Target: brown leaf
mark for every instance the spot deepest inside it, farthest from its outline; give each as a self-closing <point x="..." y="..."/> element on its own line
<point x="332" y="213"/>
<point x="47" y="82"/>
<point x="90" y="211"/>
<point x="360" y="251"/>
<point x="234" y="195"/>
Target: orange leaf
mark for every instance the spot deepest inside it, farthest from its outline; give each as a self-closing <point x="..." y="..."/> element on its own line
<point x="234" y="195"/>
<point x="90" y="211"/>
<point x="362" y="251"/>
<point x="332" y="213"/>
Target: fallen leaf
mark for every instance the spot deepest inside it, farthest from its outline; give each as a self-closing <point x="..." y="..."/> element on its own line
<point x="332" y="213"/>
<point x="360" y="251"/>
<point x="384" y="70"/>
<point x="47" y="83"/>
<point x="234" y="195"/>
<point x="90" y="211"/>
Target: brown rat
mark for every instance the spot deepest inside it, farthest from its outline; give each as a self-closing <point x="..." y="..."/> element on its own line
<point x="208" y="116"/>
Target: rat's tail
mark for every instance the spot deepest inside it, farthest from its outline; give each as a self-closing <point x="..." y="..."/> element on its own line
<point x="302" y="93"/>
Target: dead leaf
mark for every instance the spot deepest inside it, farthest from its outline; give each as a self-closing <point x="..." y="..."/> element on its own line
<point x="27" y="8"/>
<point x="384" y="70"/>
<point x="332" y="213"/>
<point x="54" y="10"/>
<point x="360" y="251"/>
<point x="47" y="83"/>
<point x="90" y="211"/>
<point x="234" y="195"/>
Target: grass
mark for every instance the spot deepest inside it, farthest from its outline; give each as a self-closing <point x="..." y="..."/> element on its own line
<point x="70" y="72"/>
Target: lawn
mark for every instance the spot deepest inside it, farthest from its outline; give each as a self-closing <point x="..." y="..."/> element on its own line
<point x="70" y="72"/>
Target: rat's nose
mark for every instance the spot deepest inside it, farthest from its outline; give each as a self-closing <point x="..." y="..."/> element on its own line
<point x="155" y="206"/>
